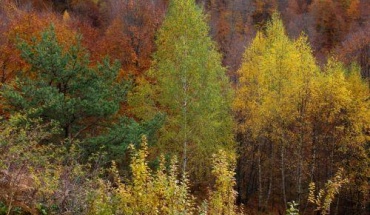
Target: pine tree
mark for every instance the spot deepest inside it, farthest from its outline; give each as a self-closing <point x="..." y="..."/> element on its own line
<point x="61" y="86"/>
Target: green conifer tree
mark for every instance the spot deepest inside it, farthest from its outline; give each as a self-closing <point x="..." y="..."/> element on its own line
<point x="62" y="85"/>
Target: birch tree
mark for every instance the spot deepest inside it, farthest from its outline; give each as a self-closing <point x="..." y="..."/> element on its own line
<point x="189" y="86"/>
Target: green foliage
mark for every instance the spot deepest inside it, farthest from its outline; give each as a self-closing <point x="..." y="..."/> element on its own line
<point x="41" y="178"/>
<point x="61" y="86"/>
<point x="292" y="209"/>
<point x="120" y="135"/>
<point x="37" y="176"/>
<point x="189" y="86"/>
<point x="294" y="117"/>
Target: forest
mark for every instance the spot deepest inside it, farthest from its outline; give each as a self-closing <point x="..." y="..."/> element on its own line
<point x="218" y="107"/>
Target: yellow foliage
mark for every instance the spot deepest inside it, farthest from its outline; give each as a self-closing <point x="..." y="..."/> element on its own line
<point x="285" y="103"/>
<point x="66" y="16"/>
<point x="326" y="196"/>
<point x="223" y="197"/>
<point x="147" y="192"/>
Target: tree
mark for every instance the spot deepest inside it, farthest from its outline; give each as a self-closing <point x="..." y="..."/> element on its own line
<point x="130" y="36"/>
<point x="356" y="47"/>
<point x="266" y="102"/>
<point x="287" y="107"/>
<point x="26" y="26"/>
<point x="222" y="198"/>
<point x="230" y="28"/>
<point x="263" y="10"/>
<point x="161" y="191"/>
<point x="340" y="120"/>
<point x="191" y="88"/>
<point x="60" y="86"/>
<point x="333" y="20"/>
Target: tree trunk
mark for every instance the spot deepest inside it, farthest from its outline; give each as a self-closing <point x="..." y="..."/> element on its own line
<point x="300" y="164"/>
<point x="270" y="176"/>
<point x="260" y="192"/>
<point x="282" y="154"/>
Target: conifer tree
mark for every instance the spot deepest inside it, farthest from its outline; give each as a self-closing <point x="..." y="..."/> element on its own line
<point x="60" y="85"/>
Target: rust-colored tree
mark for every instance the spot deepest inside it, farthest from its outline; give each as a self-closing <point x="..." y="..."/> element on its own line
<point x="130" y="36"/>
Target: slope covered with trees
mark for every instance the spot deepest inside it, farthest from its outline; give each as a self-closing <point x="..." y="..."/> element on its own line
<point x="184" y="107"/>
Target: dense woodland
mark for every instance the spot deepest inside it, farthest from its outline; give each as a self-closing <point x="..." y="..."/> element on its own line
<point x="185" y="107"/>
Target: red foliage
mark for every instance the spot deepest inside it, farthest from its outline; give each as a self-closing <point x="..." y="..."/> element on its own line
<point x="356" y="48"/>
<point x="131" y="35"/>
<point x="333" y="20"/>
<point x="22" y="25"/>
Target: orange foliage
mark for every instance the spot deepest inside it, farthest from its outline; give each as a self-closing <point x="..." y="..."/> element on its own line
<point x="130" y="36"/>
<point x="90" y="37"/>
<point x="31" y="24"/>
<point x="356" y="48"/>
<point x="23" y="25"/>
<point x="38" y="5"/>
<point x="230" y="28"/>
<point x="89" y="11"/>
<point x="333" y="21"/>
<point x="353" y="11"/>
<point x="26" y="26"/>
<point x="263" y="11"/>
<point x="117" y="45"/>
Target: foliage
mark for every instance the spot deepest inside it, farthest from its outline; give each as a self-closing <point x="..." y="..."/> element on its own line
<point x="301" y="113"/>
<point x="292" y="210"/>
<point x="324" y="198"/>
<point x="120" y="135"/>
<point x="191" y="88"/>
<point x="48" y="179"/>
<point x="293" y="118"/>
<point x="27" y="26"/>
<point x="39" y="177"/>
<point x="332" y="20"/>
<point x="161" y="192"/>
<point x="147" y="192"/>
<point x="61" y="86"/>
<point x="84" y="100"/>
<point x="223" y="197"/>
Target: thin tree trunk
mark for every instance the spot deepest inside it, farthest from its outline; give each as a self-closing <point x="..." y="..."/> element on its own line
<point x="270" y="176"/>
<point x="185" y="109"/>
<point x="185" y="144"/>
<point x="283" y="173"/>
<point x="312" y="172"/>
<point x="259" y="176"/>
<point x="314" y="143"/>
<point x="300" y="164"/>
<point x="337" y="206"/>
